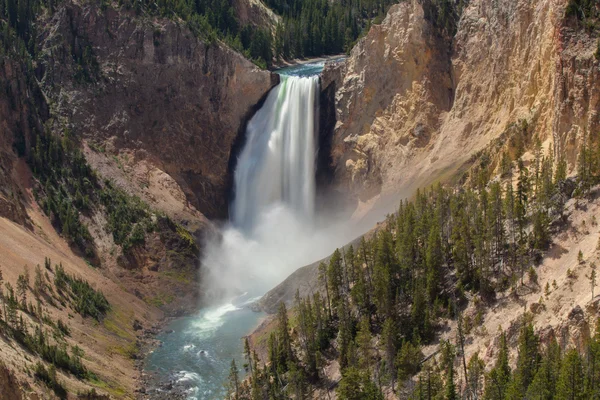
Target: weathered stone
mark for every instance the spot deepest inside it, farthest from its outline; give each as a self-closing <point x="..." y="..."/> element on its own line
<point x="170" y="98"/>
<point x="411" y="107"/>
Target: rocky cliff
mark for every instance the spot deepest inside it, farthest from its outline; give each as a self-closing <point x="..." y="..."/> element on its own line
<point x="413" y="102"/>
<point x="22" y="112"/>
<point x="158" y="112"/>
<point x="256" y="13"/>
<point x="150" y="88"/>
<point x="416" y="102"/>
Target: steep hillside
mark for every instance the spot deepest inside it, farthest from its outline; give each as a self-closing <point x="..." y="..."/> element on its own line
<point x="109" y="343"/>
<point x="553" y="293"/>
<point x="151" y="90"/>
<point x="416" y="98"/>
<point x="255" y="12"/>
<point x="22" y="111"/>
<point x="487" y="97"/>
<point x="118" y="132"/>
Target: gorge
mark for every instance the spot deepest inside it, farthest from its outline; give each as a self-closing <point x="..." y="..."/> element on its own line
<point x="273" y="230"/>
<point x="416" y="219"/>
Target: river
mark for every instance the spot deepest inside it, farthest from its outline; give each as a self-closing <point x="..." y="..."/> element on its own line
<point x="275" y="172"/>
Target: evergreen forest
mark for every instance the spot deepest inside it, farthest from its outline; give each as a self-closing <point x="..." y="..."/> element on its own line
<point x="383" y="300"/>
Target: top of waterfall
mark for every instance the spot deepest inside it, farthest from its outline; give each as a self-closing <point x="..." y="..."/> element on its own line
<point x="309" y="68"/>
<point x="302" y="70"/>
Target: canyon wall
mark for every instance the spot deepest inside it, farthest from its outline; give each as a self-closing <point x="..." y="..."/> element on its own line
<point x="23" y="111"/>
<point x="413" y="103"/>
<point x="150" y="88"/>
<point x="159" y="112"/>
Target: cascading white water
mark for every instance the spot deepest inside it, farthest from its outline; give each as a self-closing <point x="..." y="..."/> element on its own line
<point x="270" y="235"/>
<point x="277" y="164"/>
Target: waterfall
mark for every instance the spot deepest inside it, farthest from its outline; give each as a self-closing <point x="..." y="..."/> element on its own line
<point x="277" y="164"/>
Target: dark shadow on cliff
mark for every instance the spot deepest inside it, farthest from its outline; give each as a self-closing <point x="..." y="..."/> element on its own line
<point x="240" y="141"/>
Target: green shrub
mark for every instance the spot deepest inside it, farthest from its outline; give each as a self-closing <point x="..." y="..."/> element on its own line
<point x="49" y="378"/>
<point x="582" y="9"/>
<point x="84" y="298"/>
<point x="128" y="216"/>
<point x="63" y="328"/>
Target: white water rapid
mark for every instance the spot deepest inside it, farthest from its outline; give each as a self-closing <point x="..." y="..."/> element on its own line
<point x="277" y="164"/>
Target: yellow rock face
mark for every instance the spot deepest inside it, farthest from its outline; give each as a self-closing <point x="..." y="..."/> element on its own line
<point x="413" y="105"/>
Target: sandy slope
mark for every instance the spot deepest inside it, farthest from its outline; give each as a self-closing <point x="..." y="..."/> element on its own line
<point x="566" y="312"/>
<point x="106" y="343"/>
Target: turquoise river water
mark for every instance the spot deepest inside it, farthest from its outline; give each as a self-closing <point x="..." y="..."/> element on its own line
<point x="195" y="355"/>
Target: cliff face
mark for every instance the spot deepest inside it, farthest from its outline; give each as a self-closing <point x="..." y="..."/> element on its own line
<point x="159" y="113"/>
<point x="575" y="94"/>
<point x="394" y="85"/>
<point x="256" y="13"/>
<point x="152" y="89"/>
<point x="413" y="106"/>
<point x="22" y="111"/>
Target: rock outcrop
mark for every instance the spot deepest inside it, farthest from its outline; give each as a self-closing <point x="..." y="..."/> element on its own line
<point x="395" y="84"/>
<point x="413" y="106"/>
<point x="256" y="13"/>
<point x="150" y="87"/>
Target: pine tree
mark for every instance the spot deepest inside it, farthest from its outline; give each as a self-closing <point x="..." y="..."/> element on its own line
<point x="345" y="336"/>
<point x="11" y="303"/>
<point x="22" y="286"/>
<point x="233" y="382"/>
<point x="256" y="389"/>
<point x="284" y="350"/>
<point x="359" y="293"/>
<point x="323" y="278"/>
<point x="307" y="334"/>
<point x="522" y="199"/>
<point x="385" y="274"/>
<point x="365" y="254"/>
<point x="505" y="165"/>
<point x="528" y="359"/>
<point x="570" y="385"/>
<point x="497" y="380"/>
<point x="389" y="347"/>
<point x="583" y="168"/>
<point x="541" y="236"/>
<point x="363" y="343"/>
<point x="450" y="384"/>
<point x="593" y="365"/>
<point x="321" y="324"/>
<point x="355" y="385"/>
<point x="39" y="287"/>
<point x="476" y="370"/>
<point x="496" y="218"/>
<point x="429" y="385"/>
<point x="561" y="170"/>
<point x="248" y="356"/>
<point x="408" y="360"/>
<point x="335" y="280"/>
<point x="274" y="366"/>
<point x="349" y="387"/>
<point x="351" y="266"/>
<point x="433" y="262"/>
<point x="509" y="209"/>
<point x="543" y="386"/>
